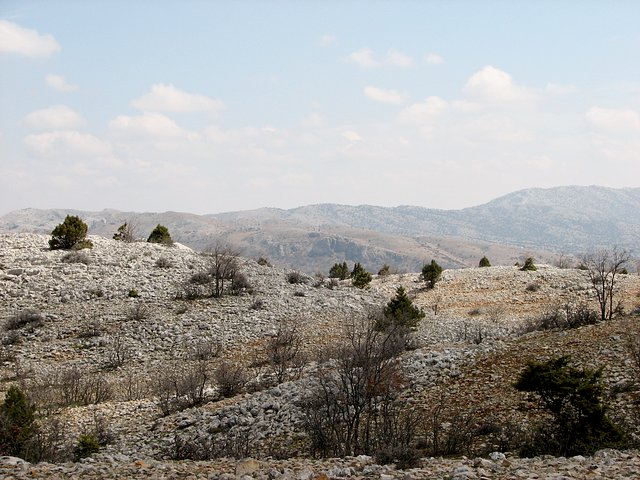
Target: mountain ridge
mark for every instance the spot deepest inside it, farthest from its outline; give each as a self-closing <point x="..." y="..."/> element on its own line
<point x="544" y="222"/>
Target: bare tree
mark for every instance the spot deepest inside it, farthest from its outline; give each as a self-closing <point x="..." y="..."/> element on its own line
<point x="602" y="266"/>
<point x="355" y="406"/>
<point x="284" y="352"/>
<point x="127" y="232"/>
<point x="223" y="265"/>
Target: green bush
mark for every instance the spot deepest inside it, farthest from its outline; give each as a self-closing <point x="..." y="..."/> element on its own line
<point x="431" y="273"/>
<point x="361" y="279"/>
<point x="400" y="311"/>
<point x="339" y="271"/>
<point x="160" y="234"/>
<point x="573" y="398"/>
<point x="69" y="234"/>
<point x="529" y="265"/>
<point x="385" y="270"/>
<point x="87" y="446"/>
<point x="484" y="262"/>
<point x="17" y="427"/>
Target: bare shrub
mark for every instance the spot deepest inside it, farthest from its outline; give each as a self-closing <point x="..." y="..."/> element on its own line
<point x="76" y="257"/>
<point x="178" y="385"/>
<point x="284" y="353"/>
<point x="164" y="262"/>
<point x="566" y="316"/>
<point x="223" y="265"/>
<point x="296" y="277"/>
<point x="138" y="311"/>
<point x="133" y="385"/>
<point x="240" y="284"/>
<point x="26" y="318"/>
<point x="230" y="379"/>
<point x="204" y="349"/>
<point x="200" y="278"/>
<point x="91" y="329"/>
<point x="258" y="304"/>
<point x="355" y="407"/>
<point x="532" y="287"/>
<point x="117" y="353"/>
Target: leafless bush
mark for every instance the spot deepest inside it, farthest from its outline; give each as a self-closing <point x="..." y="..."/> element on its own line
<point x="117" y="352"/>
<point x="92" y="329"/>
<point x="296" y="278"/>
<point x="204" y="349"/>
<point x="532" y="287"/>
<point x="566" y="316"/>
<point x="319" y="279"/>
<point x="284" y="353"/>
<point x="355" y="406"/>
<point x="178" y="385"/>
<point x="138" y="311"/>
<point x="26" y="318"/>
<point x="164" y="262"/>
<point x="223" y="265"/>
<point x="230" y="379"/>
<point x="258" y="304"/>
<point x="240" y="284"/>
<point x="200" y="278"/>
<point x="133" y="385"/>
<point x="76" y="257"/>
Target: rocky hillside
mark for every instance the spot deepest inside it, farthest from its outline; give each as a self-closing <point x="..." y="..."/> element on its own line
<point x="543" y="223"/>
<point x="103" y="328"/>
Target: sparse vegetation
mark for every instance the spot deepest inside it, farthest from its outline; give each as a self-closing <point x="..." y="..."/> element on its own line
<point x="127" y="232"/>
<point x="431" y="273"/>
<point x="529" y="265"/>
<point x="573" y="399"/>
<point x="160" y="235"/>
<point x="70" y="234"/>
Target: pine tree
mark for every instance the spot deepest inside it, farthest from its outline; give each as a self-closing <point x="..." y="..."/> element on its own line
<point x="400" y="311"/>
<point x="431" y="273"/>
<point x="484" y="262"/>
<point x="160" y="234"/>
<point x="70" y="234"/>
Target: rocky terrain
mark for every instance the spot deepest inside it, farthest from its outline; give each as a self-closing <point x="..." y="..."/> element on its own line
<point x="120" y="316"/>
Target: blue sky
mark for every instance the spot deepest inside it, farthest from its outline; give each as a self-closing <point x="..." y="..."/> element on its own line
<point x="216" y="106"/>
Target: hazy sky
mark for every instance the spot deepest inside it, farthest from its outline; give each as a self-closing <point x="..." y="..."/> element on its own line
<point x="230" y="105"/>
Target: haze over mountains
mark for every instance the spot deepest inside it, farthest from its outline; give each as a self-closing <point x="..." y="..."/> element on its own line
<point x="540" y="222"/>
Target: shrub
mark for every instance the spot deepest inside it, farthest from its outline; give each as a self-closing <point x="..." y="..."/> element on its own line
<point x="164" y="262"/>
<point x="17" y="427"/>
<point x="573" y="399"/>
<point x="361" y="279"/>
<point x="529" y="265"/>
<point x="240" y="283"/>
<point x="532" y="287"/>
<point x="125" y="233"/>
<point x="87" y="446"/>
<point x="133" y="293"/>
<point x="385" y="270"/>
<point x="357" y="268"/>
<point x="431" y="273"/>
<point x="160" y="234"/>
<point x="76" y="257"/>
<point x="296" y="277"/>
<point x="29" y="318"/>
<point x="484" y="262"/>
<point x="69" y="233"/>
<point x="258" y="304"/>
<point x="339" y="271"/>
<point x="263" y="261"/>
<point x="401" y="312"/>
<point x="200" y="278"/>
<point x="231" y="379"/>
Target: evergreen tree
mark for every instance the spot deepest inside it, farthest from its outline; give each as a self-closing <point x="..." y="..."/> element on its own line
<point x="357" y="268"/>
<point x="69" y="234"/>
<point x="16" y="423"/>
<point x="362" y="278"/>
<point x="529" y="265"/>
<point x="484" y="262"/>
<point x="339" y="271"/>
<point x="431" y="273"/>
<point x="400" y="311"/>
<point x="160" y="234"/>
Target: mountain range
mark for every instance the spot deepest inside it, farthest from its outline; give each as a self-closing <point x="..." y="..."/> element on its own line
<point x="544" y="223"/>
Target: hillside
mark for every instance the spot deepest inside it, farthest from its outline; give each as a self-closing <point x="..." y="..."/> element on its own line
<point x="464" y="358"/>
<point x="543" y="223"/>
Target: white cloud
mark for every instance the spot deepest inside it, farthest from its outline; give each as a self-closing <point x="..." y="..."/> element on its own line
<point x="352" y="136"/>
<point x="57" y="116"/>
<point x="314" y="120"/>
<point x="363" y="57"/>
<point x="18" y="40"/>
<point x="422" y="112"/>
<point x="167" y="98"/>
<point x="613" y="120"/>
<point x="367" y="58"/>
<point x="58" y="82"/>
<point x="558" y="89"/>
<point x="327" y="40"/>
<point x="433" y="59"/>
<point x="385" y="96"/>
<point x="66" y="142"/>
<point x="147" y="124"/>
<point x="494" y="85"/>
<point x="398" y="59"/>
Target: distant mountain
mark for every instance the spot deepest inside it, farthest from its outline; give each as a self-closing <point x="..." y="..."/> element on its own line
<point x="539" y="222"/>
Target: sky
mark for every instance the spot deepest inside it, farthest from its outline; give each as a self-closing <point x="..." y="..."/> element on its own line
<point x="213" y="106"/>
